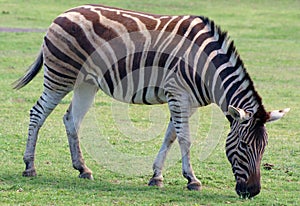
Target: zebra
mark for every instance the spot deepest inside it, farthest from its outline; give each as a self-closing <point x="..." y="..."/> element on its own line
<point x="140" y="58"/>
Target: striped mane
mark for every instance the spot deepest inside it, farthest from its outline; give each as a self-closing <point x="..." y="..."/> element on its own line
<point x="232" y="50"/>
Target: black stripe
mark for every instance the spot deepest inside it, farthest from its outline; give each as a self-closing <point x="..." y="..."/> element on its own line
<point x="109" y="82"/>
<point x="233" y="87"/>
<point x="212" y="46"/>
<point x="144" y="96"/>
<point x="173" y="100"/>
<point x="41" y="97"/>
<point x="38" y="103"/>
<point x="187" y="77"/>
<point x="199" y="86"/>
<point x="46" y="86"/>
<point x="34" y="115"/>
<point x="163" y="59"/>
<point x="176" y="112"/>
<point x="241" y="173"/>
<point x="63" y="68"/>
<point x="77" y="32"/>
<point x="137" y="57"/>
<point x="59" y="73"/>
<point x="69" y="44"/>
<point x="121" y="69"/>
<point x="244" y="171"/>
<point x="55" y="82"/>
<point x="150" y="58"/>
<point x="179" y="121"/>
<point x="240" y="97"/>
<point x="198" y="27"/>
<point x="147" y="77"/>
<point x="37" y="110"/>
<point x="60" y="55"/>
<point x="202" y="38"/>
<point x="132" y="98"/>
<point x="156" y="93"/>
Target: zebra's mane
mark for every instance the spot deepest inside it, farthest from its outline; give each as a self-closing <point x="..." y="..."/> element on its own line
<point x="223" y="35"/>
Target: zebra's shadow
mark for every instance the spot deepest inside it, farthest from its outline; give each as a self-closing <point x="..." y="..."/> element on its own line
<point x="123" y="189"/>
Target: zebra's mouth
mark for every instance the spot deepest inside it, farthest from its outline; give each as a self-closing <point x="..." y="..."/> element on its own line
<point x="245" y="190"/>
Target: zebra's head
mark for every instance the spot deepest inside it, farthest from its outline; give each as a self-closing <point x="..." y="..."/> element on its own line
<point x="245" y="146"/>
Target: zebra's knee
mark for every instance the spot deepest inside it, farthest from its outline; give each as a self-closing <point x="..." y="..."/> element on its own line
<point x="184" y="142"/>
<point x="66" y="117"/>
<point x="69" y="123"/>
<point x="27" y="158"/>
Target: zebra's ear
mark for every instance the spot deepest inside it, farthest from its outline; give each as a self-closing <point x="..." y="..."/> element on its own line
<point x="238" y="114"/>
<point x="277" y="114"/>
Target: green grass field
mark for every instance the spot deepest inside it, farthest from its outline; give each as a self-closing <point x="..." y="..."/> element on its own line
<point x="267" y="35"/>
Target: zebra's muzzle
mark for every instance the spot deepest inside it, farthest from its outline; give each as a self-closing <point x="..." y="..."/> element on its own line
<point x="245" y="190"/>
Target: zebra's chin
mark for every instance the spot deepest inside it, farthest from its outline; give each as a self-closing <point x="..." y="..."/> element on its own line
<point x="245" y="190"/>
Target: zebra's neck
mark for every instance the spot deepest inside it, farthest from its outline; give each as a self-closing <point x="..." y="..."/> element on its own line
<point x="223" y="75"/>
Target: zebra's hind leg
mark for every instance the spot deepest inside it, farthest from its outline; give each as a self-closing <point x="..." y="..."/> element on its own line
<point x="83" y="97"/>
<point x="170" y="136"/>
<point x="38" y="114"/>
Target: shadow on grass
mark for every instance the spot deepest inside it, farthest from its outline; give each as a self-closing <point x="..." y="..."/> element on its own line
<point x="131" y="191"/>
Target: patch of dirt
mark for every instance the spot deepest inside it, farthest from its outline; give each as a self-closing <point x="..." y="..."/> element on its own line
<point x="268" y="166"/>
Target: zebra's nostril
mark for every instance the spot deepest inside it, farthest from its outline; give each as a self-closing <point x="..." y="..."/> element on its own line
<point x="241" y="189"/>
<point x="247" y="191"/>
<point x="243" y="194"/>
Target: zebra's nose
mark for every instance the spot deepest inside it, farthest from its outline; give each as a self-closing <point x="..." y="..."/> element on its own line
<point x="245" y="190"/>
<point x="241" y="189"/>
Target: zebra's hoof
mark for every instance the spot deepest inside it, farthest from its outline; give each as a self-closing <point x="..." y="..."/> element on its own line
<point x="156" y="182"/>
<point x="194" y="186"/>
<point x="29" y="173"/>
<point x="86" y="175"/>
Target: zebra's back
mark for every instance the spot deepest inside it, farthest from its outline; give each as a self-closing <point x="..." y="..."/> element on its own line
<point x="127" y="54"/>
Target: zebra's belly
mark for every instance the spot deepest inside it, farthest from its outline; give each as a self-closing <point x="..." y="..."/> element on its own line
<point x="147" y="95"/>
<point x="143" y="86"/>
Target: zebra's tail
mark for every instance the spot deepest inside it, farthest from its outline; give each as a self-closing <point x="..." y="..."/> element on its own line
<point x="31" y="72"/>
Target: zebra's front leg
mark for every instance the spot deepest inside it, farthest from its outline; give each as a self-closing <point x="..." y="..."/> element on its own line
<point x="82" y="100"/>
<point x="170" y="136"/>
<point x="187" y="170"/>
<point x="182" y="130"/>
<point x="180" y="113"/>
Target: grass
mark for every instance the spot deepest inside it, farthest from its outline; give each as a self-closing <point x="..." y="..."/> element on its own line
<point x="266" y="34"/>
